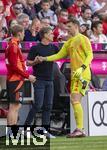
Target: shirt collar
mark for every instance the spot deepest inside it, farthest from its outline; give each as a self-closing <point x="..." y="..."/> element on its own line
<point x="15" y="40"/>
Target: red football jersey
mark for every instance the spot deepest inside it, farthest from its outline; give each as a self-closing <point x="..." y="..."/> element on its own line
<point x="15" y="62"/>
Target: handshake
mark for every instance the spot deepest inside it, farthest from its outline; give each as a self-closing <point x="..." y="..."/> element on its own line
<point x="39" y="59"/>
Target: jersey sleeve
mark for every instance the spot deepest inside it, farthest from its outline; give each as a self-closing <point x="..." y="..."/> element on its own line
<point x="61" y="54"/>
<point x="86" y="45"/>
<point x="13" y="62"/>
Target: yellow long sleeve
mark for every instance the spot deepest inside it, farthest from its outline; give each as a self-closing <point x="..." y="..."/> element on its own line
<point x="61" y="54"/>
<point x="80" y="52"/>
<point x="87" y="50"/>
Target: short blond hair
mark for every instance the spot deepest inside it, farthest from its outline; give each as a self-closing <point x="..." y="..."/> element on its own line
<point x="16" y="29"/>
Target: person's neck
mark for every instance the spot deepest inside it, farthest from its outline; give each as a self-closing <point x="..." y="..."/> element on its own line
<point x="75" y="33"/>
<point x="34" y="33"/>
<point x="45" y="11"/>
<point x="45" y="42"/>
<point x="95" y="34"/>
<point x="84" y="19"/>
<point x="16" y="37"/>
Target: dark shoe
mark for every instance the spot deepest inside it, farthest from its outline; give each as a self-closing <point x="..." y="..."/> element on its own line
<point x="76" y="133"/>
<point x="43" y="131"/>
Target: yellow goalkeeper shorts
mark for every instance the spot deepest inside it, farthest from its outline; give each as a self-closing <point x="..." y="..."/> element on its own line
<point x="78" y="86"/>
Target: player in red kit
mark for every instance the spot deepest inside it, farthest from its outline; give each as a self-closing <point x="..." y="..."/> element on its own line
<point x="16" y="73"/>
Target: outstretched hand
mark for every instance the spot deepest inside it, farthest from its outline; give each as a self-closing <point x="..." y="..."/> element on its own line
<point x="37" y="60"/>
<point x="32" y="78"/>
<point x="40" y="59"/>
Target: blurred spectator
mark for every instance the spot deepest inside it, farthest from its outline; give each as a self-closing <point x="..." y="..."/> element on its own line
<point x="3" y="14"/>
<point x="95" y="6"/>
<point x="31" y="9"/>
<point x="63" y="15"/>
<point x="6" y="2"/>
<point x="45" y="22"/>
<point x="99" y="17"/>
<point x="66" y="3"/>
<point x="23" y="19"/>
<point x="75" y="9"/>
<point x="84" y="29"/>
<point x="47" y="12"/>
<point x="105" y="24"/>
<point x="15" y="9"/>
<point x="3" y="33"/>
<point x="38" y="5"/>
<point x="60" y="32"/>
<point x="97" y="35"/>
<point x="56" y="5"/>
<point x="85" y="17"/>
<point x="32" y="34"/>
<point x="86" y="3"/>
<point x="96" y="17"/>
<point x="12" y="23"/>
<point x="23" y="2"/>
<point x="98" y="6"/>
<point x="10" y="26"/>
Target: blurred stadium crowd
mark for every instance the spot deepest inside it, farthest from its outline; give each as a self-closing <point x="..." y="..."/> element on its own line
<point x="35" y="14"/>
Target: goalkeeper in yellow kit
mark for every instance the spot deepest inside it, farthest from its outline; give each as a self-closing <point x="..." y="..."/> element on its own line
<point x="79" y="49"/>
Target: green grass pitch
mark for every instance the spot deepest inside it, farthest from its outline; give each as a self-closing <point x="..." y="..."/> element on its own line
<point x="87" y="143"/>
<point x="63" y="143"/>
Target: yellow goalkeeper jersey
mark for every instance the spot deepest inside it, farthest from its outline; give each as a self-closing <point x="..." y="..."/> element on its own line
<point x="79" y="49"/>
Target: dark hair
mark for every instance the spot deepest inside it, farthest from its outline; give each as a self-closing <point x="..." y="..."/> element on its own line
<point x="43" y="31"/>
<point x="45" y="1"/>
<point x="73" y="20"/>
<point x="86" y="25"/>
<point x="17" y="3"/>
<point x="63" y="10"/>
<point x="16" y="29"/>
<point x="95" y="24"/>
<point x="96" y="15"/>
<point x="5" y="30"/>
<point x="85" y="8"/>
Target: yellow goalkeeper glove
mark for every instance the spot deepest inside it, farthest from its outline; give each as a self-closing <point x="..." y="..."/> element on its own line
<point x="78" y="72"/>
